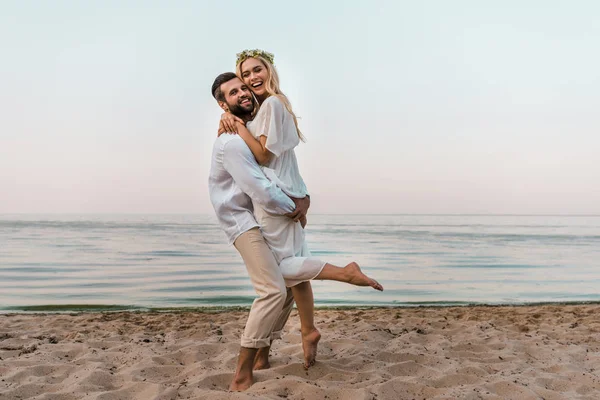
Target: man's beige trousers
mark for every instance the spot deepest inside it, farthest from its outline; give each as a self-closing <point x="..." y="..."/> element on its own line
<point x="271" y="309"/>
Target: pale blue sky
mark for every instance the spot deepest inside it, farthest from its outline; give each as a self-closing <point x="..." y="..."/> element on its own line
<point x="408" y="107"/>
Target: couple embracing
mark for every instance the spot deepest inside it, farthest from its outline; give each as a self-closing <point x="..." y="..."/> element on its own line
<point x="261" y="203"/>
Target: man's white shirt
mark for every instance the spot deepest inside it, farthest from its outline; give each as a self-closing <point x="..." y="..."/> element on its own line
<point x="235" y="180"/>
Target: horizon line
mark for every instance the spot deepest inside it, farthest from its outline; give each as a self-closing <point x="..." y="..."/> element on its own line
<point x="340" y="214"/>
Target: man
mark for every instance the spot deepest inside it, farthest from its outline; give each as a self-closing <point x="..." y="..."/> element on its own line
<point x="235" y="181"/>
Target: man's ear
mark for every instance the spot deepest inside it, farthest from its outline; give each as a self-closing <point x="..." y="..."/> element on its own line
<point x="223" y="106"/>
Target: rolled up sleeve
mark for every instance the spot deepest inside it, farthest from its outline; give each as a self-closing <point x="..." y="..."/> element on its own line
<point x="242" y="166"/>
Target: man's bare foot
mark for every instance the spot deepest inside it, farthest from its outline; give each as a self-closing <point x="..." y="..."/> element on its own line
<point x="243" y="377"/>
<point x="261" y="361"/>
<point x="310" y="341"/>
<point x="356" y="277"/>
<point x="239" y="384"/>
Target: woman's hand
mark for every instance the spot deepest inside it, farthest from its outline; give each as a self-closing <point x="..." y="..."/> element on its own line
<point x="227" y="123"/>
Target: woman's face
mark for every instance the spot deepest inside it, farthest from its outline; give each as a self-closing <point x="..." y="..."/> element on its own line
<point x="255" y="75"/>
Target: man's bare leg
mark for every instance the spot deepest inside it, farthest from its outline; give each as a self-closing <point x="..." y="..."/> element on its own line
<point x="305" y="303"/>
<point x="261" y="360"/>
<point x="243" y="377"/>
<point x="351" y="274"/>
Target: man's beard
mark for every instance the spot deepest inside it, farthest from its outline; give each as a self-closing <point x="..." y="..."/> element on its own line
<point x="240" y="111"/>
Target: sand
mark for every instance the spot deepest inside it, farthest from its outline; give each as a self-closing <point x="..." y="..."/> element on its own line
<point x="533" y="352"/>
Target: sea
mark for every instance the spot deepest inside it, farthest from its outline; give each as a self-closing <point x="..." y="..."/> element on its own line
<point x="63" y="263"/>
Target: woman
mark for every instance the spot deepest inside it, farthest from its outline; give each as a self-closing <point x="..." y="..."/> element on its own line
<point x="272" y="136"/>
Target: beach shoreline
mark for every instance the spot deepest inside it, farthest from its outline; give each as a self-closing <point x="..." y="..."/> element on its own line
<point x="549" y="351"/>
<point x="77" y="309"/>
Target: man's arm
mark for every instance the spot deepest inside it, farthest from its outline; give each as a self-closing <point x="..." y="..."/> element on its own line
<point x="239" y="161"/>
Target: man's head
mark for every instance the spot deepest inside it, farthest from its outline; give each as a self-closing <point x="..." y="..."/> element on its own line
<point x="233" y="95"/>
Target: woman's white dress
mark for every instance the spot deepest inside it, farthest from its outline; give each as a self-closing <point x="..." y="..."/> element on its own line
<point x="284" y="236"/>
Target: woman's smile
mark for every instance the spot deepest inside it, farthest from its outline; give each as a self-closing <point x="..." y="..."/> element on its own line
<point x="255" y="74"/>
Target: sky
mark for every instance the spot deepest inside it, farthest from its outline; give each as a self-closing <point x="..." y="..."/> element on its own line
<point x="429" y="107"/>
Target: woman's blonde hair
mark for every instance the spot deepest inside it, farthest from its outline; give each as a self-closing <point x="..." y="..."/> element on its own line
<point x="272" y="87"/>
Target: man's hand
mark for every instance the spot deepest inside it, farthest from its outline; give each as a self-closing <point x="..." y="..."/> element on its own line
<point x="303" y="221"/>
<point x="302" y="206"/>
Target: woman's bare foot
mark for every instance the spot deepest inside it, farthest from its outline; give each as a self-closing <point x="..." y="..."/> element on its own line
<point x="261" y="361"/>
<point x="310" y="341"/>
<point x="356" y="277"/>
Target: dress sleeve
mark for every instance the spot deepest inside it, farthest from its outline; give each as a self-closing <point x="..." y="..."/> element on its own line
<point x="275" y="122"/>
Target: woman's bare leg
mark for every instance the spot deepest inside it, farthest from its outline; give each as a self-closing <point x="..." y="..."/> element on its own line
<point x="305" y="303"/>
<point x="303" y="295"/>
<point x="351" y="274"/>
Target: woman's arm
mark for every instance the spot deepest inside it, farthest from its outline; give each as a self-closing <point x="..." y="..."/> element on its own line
<point x="257" y="147"/>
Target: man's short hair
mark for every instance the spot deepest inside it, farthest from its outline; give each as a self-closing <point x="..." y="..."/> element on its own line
<point x="219" y="80"/>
